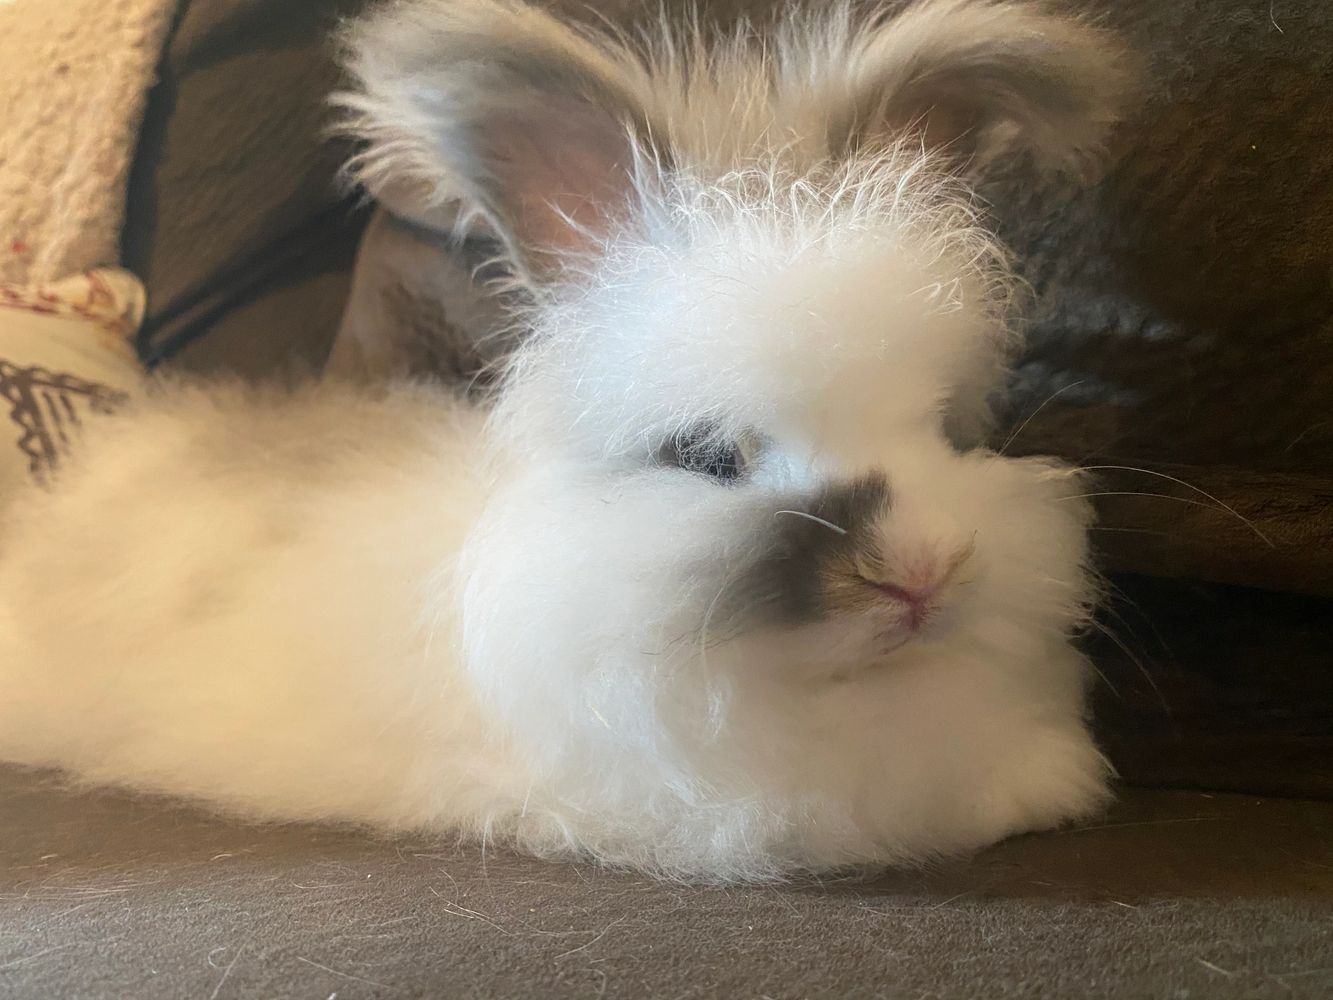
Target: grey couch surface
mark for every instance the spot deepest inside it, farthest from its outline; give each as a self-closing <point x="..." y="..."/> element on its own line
<point x="1173" y="895"/>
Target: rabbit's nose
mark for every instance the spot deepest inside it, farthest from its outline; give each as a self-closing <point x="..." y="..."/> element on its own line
<point x="917" y="603"/>
<point x="919" y="590"/>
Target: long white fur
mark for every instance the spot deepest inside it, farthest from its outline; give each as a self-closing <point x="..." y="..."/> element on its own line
<point x="398" y="610"/>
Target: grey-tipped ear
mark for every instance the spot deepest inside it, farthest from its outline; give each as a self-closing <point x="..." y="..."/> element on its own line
<point x="977" y="77"/>
<point x="500" y="106"/>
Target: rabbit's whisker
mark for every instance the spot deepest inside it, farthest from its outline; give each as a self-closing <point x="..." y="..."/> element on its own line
<point x="811" y="517"/>
<point x="1216" y="505"/>
<point x="1189" y="486"/>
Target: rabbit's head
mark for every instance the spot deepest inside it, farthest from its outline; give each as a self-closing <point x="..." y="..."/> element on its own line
<point x="738" y="454"/>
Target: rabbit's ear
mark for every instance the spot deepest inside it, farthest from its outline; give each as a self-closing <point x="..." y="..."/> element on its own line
<point x="975" y="77"/>
<point x="499" y="105"/>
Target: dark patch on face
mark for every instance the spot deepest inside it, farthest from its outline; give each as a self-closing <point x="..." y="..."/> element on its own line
<point x="809" y="568"/>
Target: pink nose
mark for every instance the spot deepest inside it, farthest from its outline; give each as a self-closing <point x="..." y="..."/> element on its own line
<point x="919" y="602"/>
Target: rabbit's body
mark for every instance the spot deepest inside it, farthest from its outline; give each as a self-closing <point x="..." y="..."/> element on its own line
<point x="715" y="589"/>
<point x="280" y="632"/>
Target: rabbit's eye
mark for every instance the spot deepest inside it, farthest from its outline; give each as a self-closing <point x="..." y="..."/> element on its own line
<point x="700" y="452"/>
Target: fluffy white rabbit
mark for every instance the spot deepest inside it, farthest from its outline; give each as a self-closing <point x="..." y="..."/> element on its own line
<point x="712" y="589"/>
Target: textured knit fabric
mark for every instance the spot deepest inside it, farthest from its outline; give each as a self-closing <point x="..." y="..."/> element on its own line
<point x="76" y="75"/>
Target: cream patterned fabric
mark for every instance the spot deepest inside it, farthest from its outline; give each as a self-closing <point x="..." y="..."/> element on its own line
<point x="65" y="353"/>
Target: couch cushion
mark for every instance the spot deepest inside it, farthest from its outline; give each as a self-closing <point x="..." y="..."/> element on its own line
<point x="234" y="165"/>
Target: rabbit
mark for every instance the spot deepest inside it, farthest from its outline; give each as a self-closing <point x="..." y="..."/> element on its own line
<point x="718" y="585"/>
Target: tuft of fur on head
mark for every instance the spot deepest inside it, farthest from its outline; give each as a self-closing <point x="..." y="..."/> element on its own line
<point x="528" y="120"/>
<point x="829" y="304"/>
